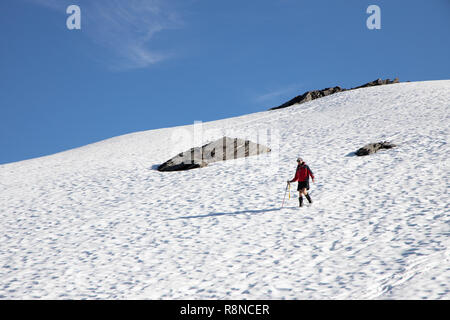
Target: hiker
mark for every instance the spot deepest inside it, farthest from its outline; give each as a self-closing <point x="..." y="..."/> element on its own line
<point x="302" y="175"/>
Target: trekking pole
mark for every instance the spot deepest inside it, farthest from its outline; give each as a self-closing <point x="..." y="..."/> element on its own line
<point x="289" y="185"/>
<point x="285" y="194"/>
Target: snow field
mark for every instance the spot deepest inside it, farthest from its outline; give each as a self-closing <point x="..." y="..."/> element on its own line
<point x="99" y="222"/>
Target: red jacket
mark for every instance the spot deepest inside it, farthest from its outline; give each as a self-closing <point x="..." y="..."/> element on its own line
<point x="302" y="173"/>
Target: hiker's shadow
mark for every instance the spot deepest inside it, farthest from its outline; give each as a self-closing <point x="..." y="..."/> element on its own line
<point x="217" y="214"/>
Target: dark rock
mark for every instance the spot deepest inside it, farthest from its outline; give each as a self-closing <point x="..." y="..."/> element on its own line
<point x="220" y="150"/>
<point x="311" y="95"/>
<point x="378" y="82"/>
<point x="374" y="147"/>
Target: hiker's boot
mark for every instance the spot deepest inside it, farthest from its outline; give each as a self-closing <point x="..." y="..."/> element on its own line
<point x="300" y="201"/>
<point x="309" y="198"/>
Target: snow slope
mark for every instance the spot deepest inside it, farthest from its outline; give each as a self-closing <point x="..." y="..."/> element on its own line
<point x="100" y="222"/>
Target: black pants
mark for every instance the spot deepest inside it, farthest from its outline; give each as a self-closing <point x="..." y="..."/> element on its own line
<point x="302" y="185"/>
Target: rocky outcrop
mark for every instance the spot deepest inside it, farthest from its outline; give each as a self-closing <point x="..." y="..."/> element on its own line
<point x="310" y="95"/>
<point x="315" y="94"/>
<point x="220" y="150"/>
<point x="374" y="147"/>
<point x="378" y="82"/>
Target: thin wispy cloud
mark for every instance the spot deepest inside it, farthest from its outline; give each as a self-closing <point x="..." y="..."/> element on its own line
<point x="53" y="4"/>
<point x="276" y="94"/>
<point x="124" y="28"/>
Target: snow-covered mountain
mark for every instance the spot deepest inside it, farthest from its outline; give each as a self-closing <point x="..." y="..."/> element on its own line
<point x="101" y="222"/>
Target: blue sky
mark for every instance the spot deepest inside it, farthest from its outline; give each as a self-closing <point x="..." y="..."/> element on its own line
<point x="146" y="64"/>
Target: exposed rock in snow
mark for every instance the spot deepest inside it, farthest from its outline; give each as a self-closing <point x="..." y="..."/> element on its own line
<point x="377" y="82"/>
<point x="310" y="95"/>
<point x="220" y="150"/>
<point x="315" y="94"/>
<point x="374" y="147"/>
